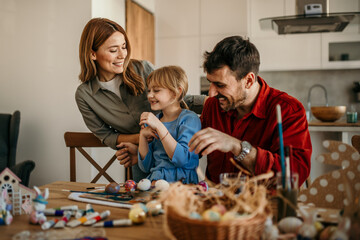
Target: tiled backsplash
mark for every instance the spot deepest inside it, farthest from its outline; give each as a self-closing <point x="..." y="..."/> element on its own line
<point x="338" y="83"/>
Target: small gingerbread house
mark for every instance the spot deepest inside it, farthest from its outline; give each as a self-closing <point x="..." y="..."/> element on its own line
<point x="17" y="192"/>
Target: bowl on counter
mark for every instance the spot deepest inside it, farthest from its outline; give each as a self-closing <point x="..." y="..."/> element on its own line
<point x="328" y="113"/>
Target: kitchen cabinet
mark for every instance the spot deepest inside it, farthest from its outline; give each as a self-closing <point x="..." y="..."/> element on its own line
<point x="340" y="51"/>
<point x="302" y="51"/>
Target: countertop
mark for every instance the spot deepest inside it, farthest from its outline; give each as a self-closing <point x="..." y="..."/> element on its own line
<point x="336" y="124"/>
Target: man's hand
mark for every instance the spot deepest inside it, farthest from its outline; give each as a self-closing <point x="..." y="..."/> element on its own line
<point x="208" y="140"/>
<point x="127" y="154"/>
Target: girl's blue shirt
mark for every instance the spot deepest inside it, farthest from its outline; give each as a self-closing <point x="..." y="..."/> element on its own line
<point x="184" y="163"/>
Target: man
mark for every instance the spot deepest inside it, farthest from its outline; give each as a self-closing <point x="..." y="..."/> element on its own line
<point x="239" y="119"/>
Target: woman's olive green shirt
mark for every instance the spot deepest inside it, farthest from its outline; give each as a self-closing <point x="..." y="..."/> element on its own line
<point x="106" y="115"/>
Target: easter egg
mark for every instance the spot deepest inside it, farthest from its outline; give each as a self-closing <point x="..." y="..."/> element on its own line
<point x="219" y="208"/>
<point x="162" y="185"/>
<point x="154" y="207"/>
<point x="137" y="215"/>
<point x="140" y="205"/>
<point x="130" y="185"/>
<point x="112" y="187"/>
<point x="211" y="215"/>
<point x="228" y="216"/>
<point x="204" y="185"/>
<point x="327" y="232"/>
<point x="195" y="215"/>
<point x="144" y="184"/>
<point x="289" y="224"/>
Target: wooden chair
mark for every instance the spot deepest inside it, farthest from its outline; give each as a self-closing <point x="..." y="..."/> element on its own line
<point x="355" y="141"/>
<point x="79" y="140"/>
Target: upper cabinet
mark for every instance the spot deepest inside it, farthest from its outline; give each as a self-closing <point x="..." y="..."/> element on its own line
<point x="303" y="51"/>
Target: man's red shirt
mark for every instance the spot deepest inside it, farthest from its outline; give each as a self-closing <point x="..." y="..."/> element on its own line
<point x="259" y="127"/>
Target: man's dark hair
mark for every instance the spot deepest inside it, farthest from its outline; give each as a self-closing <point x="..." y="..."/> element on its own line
<point x="239" y="54"/>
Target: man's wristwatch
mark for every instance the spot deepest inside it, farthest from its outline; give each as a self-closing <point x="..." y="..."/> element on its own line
<point x="245" y="150"/>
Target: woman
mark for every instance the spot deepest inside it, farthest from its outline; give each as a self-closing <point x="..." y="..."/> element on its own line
<point x="113" y="92"/>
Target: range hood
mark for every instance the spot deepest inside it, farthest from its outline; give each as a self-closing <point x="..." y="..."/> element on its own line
<point x="310" y="18"/>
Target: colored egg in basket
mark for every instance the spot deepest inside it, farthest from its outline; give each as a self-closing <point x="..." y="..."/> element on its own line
<point x="210" y="215"/>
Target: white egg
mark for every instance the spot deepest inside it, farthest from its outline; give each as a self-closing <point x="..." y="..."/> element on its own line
<point x="162" y="185"/>
<point x="144" y="184"/>
<point x="289" y="224"/>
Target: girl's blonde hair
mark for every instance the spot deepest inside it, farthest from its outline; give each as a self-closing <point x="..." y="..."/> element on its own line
<point x="172" y="78"/>
<point x="95" y="33"/>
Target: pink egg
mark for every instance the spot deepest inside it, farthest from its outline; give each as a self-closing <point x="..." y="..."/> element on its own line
<point x="219" y="208"/>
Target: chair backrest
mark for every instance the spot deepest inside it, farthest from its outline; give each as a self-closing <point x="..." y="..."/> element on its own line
<point x="9" y="133"/>
<point x="355" y="141"/>
<point x="78" y="140"/>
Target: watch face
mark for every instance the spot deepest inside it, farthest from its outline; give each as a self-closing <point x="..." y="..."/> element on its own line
<point x="246" y="147"/>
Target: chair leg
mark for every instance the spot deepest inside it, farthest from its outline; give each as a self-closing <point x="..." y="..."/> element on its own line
<point x="128" y="173"/>
<point x="72" y="165"/>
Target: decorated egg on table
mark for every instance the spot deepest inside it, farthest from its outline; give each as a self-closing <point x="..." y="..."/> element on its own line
<point x="140" y="205"/>
<point x="112" y="187"/>
<point x="137" y="215"/>
<point x="130" y="185"/>
<point x="162" y="185"/>
<point x="144" y="184"/>
<point x="219" y="208"/>
<point x="211" y="215"/>
<point x="204" y="185"/>
<point x="154" y="207"/>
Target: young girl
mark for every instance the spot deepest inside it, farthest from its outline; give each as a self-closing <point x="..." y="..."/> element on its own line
<point x="167" y="156"/>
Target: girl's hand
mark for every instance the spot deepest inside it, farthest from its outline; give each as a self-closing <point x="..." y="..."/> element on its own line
<point x="150" y="119"/>
<point x="148" y="133"/>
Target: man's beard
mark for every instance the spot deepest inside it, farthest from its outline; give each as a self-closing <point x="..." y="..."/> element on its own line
<point x="226" y="105"/>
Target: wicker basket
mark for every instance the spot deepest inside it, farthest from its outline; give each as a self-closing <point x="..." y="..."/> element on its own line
<point x="185" y="228"/>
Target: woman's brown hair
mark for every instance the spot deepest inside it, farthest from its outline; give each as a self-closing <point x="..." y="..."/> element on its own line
<point x="95" y="33"/>
<point x="172" y="78"/>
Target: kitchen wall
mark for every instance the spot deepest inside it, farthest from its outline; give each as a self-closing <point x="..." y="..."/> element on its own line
<point x="338" y="83"/>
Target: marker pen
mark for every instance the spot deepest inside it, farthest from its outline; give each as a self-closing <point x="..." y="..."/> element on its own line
<point x="96" y="219"/>
<point x="48" y="224"/>
<point x="114" y="223"/>
<point x="62" y="222"/>
<point x="79" y="221"/>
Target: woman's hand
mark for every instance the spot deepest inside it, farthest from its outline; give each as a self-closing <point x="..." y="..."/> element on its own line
<point x="150" y="120"/>
<point x="127" y="154"/>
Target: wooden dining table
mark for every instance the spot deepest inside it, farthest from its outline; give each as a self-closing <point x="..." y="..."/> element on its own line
<point x="152" y="228"/>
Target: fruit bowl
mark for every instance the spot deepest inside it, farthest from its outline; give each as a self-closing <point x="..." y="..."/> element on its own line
<point x="328" y="113"/>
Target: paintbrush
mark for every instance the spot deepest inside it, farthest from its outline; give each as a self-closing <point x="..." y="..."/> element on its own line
<point x="96" y="193"/>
